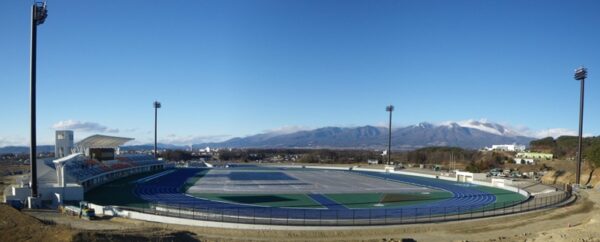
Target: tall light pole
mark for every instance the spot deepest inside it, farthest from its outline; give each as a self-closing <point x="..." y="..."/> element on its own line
<point x="157" y="105"/>
<point x="580" y="75"/>
<point x="38" y="16"/>
<point x="390" y="109"/>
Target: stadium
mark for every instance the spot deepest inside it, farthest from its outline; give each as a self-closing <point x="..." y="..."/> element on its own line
<point x="138" y="186"/>
<point x="273" y="128"/>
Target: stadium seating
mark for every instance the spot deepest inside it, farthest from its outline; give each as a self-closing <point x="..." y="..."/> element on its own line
<point x="84" y="168"/>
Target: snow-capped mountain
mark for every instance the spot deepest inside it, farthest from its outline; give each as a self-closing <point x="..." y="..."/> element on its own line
<point x="467" y="134"/>
<point x="484" y="126"/>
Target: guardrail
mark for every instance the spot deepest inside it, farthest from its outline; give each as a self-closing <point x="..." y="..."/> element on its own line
<point x="349" y="217"/>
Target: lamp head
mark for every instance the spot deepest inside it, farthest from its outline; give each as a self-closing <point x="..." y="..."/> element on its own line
<point x="40" y="13"/>
<point x="580" y="73"/>
<point x="389" y="108"/>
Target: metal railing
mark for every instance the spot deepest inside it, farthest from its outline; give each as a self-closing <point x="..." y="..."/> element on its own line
<point x="345" y="217"/>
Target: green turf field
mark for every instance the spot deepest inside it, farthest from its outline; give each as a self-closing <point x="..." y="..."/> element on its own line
<point x="371" y="200"/>
<point x="360" y="200"/>
<point x="503" y="197"/>
<point x="278" y="200"/>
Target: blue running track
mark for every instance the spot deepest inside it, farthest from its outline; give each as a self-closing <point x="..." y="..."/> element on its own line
<point x="167" y="190"/>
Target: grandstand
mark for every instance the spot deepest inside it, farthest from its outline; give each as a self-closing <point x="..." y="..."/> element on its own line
<point x="94" y="161"/>
<point x="90" y="172"/>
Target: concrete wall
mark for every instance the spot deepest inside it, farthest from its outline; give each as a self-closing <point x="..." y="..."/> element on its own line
<point x="69" y="193"/>
<point x="46" y="193"/>
<point x="17" y="193"/>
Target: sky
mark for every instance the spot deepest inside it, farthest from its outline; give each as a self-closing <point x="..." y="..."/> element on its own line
<point x="224" y="69"/>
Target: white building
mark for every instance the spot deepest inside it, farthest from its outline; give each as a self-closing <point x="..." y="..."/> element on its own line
<point x="524" y="161"/>
<point x="507" y="147"/>
<point x="63" y="143"/>
<point x="465" y="176"/>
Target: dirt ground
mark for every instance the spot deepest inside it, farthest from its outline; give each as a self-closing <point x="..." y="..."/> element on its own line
<point x="18" y="226"/>
<point x="565" y="174"/>
<point x="578" y="222"/>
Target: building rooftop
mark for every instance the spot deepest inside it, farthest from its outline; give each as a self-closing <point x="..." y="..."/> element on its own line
<point x="102" y="141"/>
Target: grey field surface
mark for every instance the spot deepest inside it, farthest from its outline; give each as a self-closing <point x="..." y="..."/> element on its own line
<point x="235" y="181"/>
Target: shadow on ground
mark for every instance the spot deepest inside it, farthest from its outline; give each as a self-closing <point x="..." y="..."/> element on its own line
<point x="133" y="236"/>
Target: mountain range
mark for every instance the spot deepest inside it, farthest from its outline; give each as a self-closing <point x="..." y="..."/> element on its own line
<point x="469" y="134"/>
<point x="25" y="149"/>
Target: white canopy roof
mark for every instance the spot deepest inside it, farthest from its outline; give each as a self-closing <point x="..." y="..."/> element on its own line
<point x="102" y="141"/>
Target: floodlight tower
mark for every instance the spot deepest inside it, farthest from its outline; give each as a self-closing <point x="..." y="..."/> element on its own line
<point x="580" y="75"/>
<point x="157" y="105"/>
<point x="38" y="16"/>
<point x="390" y="109"/>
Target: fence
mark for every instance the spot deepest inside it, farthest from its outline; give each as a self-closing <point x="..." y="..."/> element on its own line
<point x="335" y="217"/>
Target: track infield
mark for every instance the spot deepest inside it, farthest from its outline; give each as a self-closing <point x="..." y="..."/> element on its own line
<point x="299" y="193"/>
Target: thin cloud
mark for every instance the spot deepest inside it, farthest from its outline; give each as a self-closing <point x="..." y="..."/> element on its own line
<point x="522" y="130"/>
<point x="13" y="141"/>
<point x="557" y="132"/>
<point x="288" y="129"/>
<point x="192" y="139"/>
<point x="82" y="126"/>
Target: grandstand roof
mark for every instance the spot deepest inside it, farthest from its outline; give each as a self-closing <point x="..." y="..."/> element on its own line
<point x="102" y="141"/>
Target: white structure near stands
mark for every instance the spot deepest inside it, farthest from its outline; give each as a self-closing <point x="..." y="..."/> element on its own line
<point x="465" y="176"/>
<point x="50" y="187"/>
<point x="507" y="147"/>
<point x="63" y="145"/>
<point x="501" y="183"/>
<point x="372" y="162"/>
<point x="68" y="177"/>
<point x="389" y="168"/>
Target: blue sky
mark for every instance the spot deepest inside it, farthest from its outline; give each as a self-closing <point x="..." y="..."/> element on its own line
<point x="234" y="68"/>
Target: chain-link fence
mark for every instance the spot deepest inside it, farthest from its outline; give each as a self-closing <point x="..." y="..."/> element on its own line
<point x="370" y="216"/>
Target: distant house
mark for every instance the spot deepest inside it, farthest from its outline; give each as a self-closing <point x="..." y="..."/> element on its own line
<point x="372" y="162"/>
<point x="512" y="147"/>
<point x="535" y="155"/>
<point x="524" y="161"/>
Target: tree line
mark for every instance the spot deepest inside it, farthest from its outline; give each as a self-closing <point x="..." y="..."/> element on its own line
<point x="565" y="147"/>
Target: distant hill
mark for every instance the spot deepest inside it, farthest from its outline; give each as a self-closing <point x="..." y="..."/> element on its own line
<point x="151" y="147"/>
<point x="25" y="149"/>
<point x="472" y="135"/>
